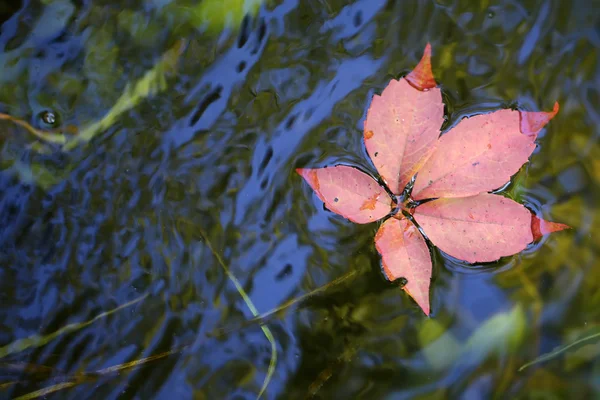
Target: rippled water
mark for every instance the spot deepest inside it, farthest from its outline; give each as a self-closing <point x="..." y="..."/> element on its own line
<point x="200" y="178"/>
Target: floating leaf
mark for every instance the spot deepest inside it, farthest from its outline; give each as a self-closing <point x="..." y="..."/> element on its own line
<point x="479" y="155"/>
<point x="456" y="170"/>
<point x="349" y="192"/>
<point x="404" y="254"/>
<point x="478" y="228"/>
<point x="401" y="129"/>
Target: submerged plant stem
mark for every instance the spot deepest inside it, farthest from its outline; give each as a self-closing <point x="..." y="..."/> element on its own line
<point x="305" y="296"/>
<point x="38" y="341"/>
<point x="261" y="319"/>
<point x="47" y="390"/>
<point x="153" y="82"/>
<point x="558" y="351"/>
<point x="48" y="137"/>
<point x="69" y="382"/>
<point x="253" y="310"/>
<point x="72" y="381"/>
<point x="326" y="374"/>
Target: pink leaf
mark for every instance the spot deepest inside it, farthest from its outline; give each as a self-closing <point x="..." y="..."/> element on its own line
<point x="480" y="228"/>
<point x="402" y="127"/>
<point x="479" y="155"/>
<point x="404" y="254"/>
<point x="349" y="192"/>
<point x="540" y="227"/>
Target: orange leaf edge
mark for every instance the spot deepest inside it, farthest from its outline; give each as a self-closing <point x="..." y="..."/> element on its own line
<point x="533" y="121"/>
<point x="422" y="77"/>
<point x="541" y="227"/>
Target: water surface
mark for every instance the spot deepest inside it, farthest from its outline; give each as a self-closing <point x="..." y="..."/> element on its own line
<point x="208" y="163"/>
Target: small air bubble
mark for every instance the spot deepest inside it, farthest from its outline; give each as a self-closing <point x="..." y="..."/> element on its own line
<point x="49" y="118"/>
<point x="376" y="153"/>
<point x="491" y="14"/>
<point x="336" y="200"/>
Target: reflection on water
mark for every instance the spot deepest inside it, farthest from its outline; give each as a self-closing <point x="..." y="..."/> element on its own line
<point x="210" y="160"/>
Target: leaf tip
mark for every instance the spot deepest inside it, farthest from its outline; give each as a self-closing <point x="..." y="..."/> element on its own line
<point x="426" y="308"/>
<point x="422" y="301"/>
<point x="310" y="175"/>
<point x="422" y="77"/>
<point x="532" y="122"/>
<point x="541" y="227"/>
<point x="304" y="172"/>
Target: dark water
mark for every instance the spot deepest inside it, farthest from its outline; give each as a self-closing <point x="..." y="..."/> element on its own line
<point x="209" y="163"/>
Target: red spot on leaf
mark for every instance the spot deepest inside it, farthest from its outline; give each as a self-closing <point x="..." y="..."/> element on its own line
<point x="368" y="134"/>
<point x="422" y="77"/>
<point x="533" y="122"/>
<point x="540" y="227"/>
